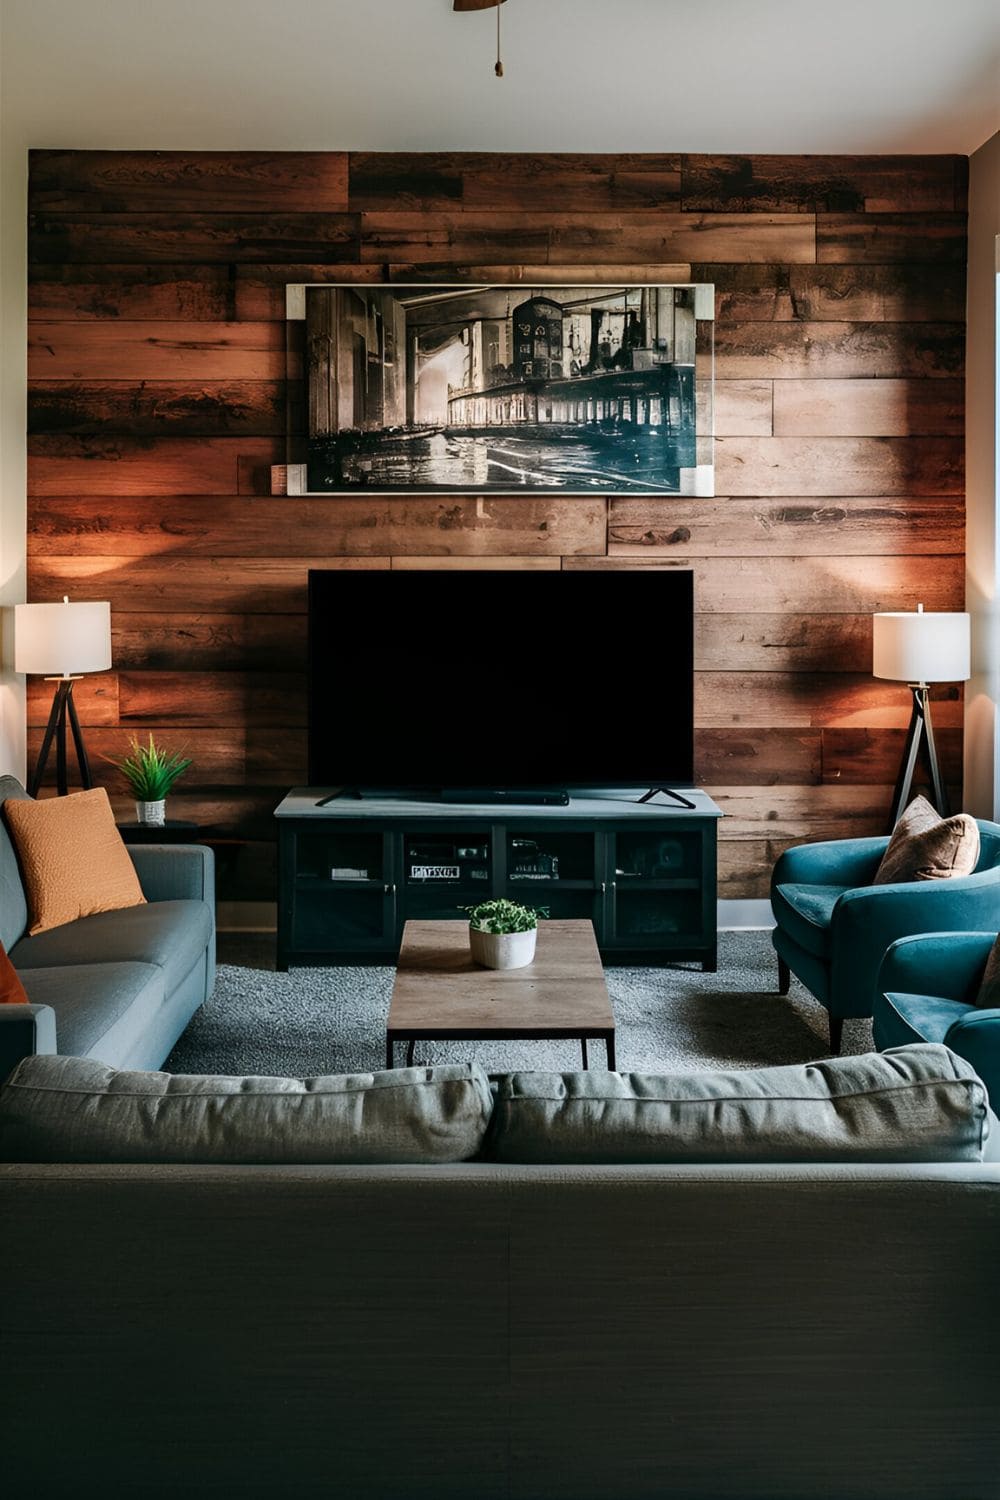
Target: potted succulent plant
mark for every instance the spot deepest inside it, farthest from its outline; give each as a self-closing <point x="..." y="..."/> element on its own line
<point x="150" y="772"/>
<point x="502" y="933"/>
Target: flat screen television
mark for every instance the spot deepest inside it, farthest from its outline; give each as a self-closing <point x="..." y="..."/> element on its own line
<point x="431" y="680"/>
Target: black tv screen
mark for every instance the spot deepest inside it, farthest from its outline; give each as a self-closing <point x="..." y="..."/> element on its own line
<point x="450" y="679"/>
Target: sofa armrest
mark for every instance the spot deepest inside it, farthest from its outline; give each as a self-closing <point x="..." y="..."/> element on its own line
<point x="976" y="1037"/>
<point x="833" y="862"/>
<point x="175" y="872"/>
<point x="25" y="1031"/>
<point x="949" y="964"/>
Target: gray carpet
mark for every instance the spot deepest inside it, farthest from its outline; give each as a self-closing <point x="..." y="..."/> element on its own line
<point x="313" y="1021"/>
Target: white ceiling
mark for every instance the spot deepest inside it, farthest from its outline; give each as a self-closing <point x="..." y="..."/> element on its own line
<point x="797" y="76"/>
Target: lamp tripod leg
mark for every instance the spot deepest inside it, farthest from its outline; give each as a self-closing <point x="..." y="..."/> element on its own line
<point x="937" y="780"/>
<point x="904" y="781"/>
<point x="86" y="779"/>
<point x="55" y="717"/>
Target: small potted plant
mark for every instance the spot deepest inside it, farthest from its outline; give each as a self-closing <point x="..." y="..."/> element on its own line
<point x="150" y="772"/>
<point x="502" y="933"/>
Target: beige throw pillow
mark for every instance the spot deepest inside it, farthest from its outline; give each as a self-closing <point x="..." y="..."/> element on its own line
<point x="925" y="846"/>
<point x="73" y="859"/>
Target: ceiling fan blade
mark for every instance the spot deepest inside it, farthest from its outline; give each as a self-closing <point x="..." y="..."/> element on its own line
<point x="478" y="4"/>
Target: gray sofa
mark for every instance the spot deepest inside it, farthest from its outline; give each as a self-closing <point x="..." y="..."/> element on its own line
<point x="121" y="985"/>
<point x="489" y="1327"/>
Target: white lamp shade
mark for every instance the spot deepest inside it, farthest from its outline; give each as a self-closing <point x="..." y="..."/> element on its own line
<point x="922" y="647"/>
<point x="62" y="639"/>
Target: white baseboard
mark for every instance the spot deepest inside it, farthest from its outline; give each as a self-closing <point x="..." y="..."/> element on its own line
<point x="262" y="916"/>
<point x="734" y="915"/>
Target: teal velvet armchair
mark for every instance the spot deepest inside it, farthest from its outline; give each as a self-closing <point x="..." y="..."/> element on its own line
<point x="926" y="992"/>
<point x="834" y="926"/>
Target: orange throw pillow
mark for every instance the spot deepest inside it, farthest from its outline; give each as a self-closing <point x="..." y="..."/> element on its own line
<point x="73" y="859"/>
<point x="12" y="991"/>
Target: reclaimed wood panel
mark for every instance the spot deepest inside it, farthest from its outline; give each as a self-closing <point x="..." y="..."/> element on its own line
<point x="777" y="350"/>
<point x="215" y="699"/>
<point x="116" y="350"/>
<point x="758" y="757"/>
<point x="818" y="812"/>
<point x="835" y="467"/>
<point x="203" y="641"/>
<point x="811" y="700"/>
<point x="503" y="182"/>
<point x="483" y="564"/>
<point x="62" y="465"/>
<point x="95" y="696"/>
<point x="867" y="757"/>
<point x="891" y="237"/>
<point x="227" y="526"/>
<point x="269" y="585"/>
<point x="789" y="184"/>
<point x="731" y="526"/>
<point x="96" y="238"/>
<point x="743" y="408"/>
<point x="782" y="642"/>
<point x="214" y="181"/>
<point x="928" y="293"/>
<point x="690" y="237"/>
<point x="188" y="294"/>
<point x="158" y="302"/>
<point x="205" y="408"/>
<point x="800" y="585"/>
<point x="869" y="408"/>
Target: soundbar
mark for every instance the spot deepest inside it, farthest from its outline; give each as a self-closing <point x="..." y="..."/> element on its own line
<point x="496" y="796"/>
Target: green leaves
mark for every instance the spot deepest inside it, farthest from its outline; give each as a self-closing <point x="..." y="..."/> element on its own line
<point x="149" y="770"/>
<point x="504" y="916"/>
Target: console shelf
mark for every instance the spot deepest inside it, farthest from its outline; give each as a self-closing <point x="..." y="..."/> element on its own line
<point x="644" y="874"/>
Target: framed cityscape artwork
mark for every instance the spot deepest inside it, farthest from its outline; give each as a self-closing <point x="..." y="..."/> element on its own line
<point x="459" y="389"/>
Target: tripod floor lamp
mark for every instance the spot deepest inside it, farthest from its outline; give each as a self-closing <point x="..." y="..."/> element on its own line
<point x="61" y="642"/>
<point x="920" y="649"/>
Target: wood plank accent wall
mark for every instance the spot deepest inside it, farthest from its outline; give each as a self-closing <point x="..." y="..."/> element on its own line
<point x="157" y="402"/>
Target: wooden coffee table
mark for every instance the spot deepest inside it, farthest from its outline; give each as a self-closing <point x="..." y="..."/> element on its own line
<point x="440" y="994"/>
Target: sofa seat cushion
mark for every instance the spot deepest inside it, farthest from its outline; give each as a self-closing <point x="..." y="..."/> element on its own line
<point x="93" y="1001"/>
<point x="916" y="1104"/>
<point x="901" y="1019"/>
<point x="70" y="1109"/>
<point x="805" y="913"/>
<point x="170" y="934"/>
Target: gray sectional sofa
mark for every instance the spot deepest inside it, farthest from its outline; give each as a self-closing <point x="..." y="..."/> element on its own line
<point x="122" y="985"/>
<point x="406" y="1286"/>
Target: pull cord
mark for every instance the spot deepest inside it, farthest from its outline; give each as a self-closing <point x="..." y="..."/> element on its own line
<point x="498" y="70"/>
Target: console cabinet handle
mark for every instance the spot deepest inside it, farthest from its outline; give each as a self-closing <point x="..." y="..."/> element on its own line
<point x="604" y="887"/>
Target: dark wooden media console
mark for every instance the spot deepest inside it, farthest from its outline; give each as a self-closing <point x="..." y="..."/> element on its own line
<point x="350" y="873"/>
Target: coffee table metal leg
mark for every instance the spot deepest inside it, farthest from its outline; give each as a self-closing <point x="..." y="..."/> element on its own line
<point x="610" y="1039"/>
<point x="390" y="1061"/>
<point x="583" y="1049"/>
<point x="409" y="1052"/>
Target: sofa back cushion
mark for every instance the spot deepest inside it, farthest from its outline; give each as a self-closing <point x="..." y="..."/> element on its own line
<point x="13" y="904"/>
<point x="73" y="1109"/>
<point x="925" y="846"/>
<point x="919" y="1103"/>
<point x="73" y="858"/>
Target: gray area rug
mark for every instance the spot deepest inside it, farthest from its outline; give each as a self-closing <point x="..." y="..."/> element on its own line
<point x="314" y="1021"/>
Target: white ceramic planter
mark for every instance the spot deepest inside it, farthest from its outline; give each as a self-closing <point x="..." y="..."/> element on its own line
<point x="502" y="950"/>
<point x="153" y="814"/>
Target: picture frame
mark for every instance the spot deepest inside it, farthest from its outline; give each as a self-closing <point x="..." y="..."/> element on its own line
<point x="510" y="388"/>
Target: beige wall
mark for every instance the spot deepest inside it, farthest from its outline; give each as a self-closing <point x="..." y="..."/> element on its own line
<point x="982" y="737"/>
<point x="13" y="337"/>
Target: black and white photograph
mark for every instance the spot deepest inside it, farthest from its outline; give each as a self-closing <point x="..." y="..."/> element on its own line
<point x="579" y="389"/>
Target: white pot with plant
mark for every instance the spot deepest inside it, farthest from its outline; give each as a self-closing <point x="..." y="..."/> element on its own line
<point x="502" y="934"/>
<point x="150" y="772"/>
